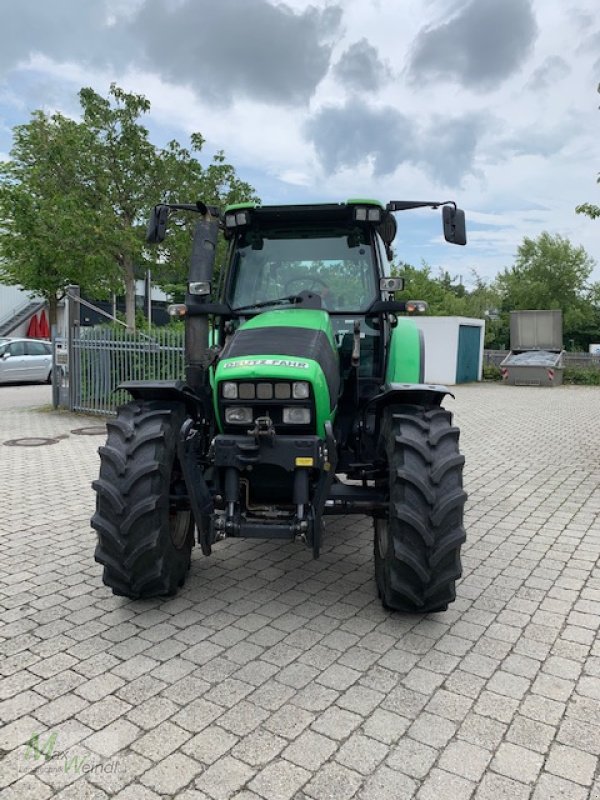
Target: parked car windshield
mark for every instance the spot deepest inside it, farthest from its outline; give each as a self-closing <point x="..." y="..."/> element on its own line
<point x="337" y="267"/>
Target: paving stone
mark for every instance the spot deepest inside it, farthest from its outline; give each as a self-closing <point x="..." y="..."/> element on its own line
<point x="412" y="758"/>
<point x="290" y="721"/>
<point x="465" y="759"/>
<point x="279" y="781"/>
<point x="517" y="762"/>
<point x="152" y="712"/>
<point x="209" y="745"/>
<point x="499" y="787"/>
<point x="333" y="781"/>
<point x="361" y="753"/>
<point x="224" y="778"/>
<point x="443" y="784"/>
<point x="580" y="735"/>
<point x="387" y="784"/>
<point x="310" y="750"/>
<point x="336" y="723"/>
<point x="505" y="683"/>
<point x="161" y="741"/>
<point x="432" y="730"/>
<point x="530" y="734"/>
<point x="119" y="772"/>
<point x="171" y="774"/>
<point x="385" y="726"/>
<point x="338" y="677"/>
<point x="259" y="747"/>
<point x="551" y="787"/>
<point x="496" y="706"/>
<point x="197" y="715"/>
<point x="116" y="736"/>
<point x="570" y="763"/>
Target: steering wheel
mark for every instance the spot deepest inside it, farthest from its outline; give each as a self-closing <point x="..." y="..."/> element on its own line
<point x="313" y="280"/>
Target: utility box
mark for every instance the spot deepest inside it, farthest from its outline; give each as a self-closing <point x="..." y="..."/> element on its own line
<point x="453" y="349"/>
<point x="536" y="350"/>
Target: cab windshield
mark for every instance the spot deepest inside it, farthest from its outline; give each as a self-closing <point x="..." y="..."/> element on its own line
<point x="337" y="267"/>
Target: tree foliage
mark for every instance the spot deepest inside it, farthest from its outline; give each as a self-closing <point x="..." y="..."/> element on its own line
<point x="49" y="211"/>
<point x="551" y="273"/>
<point x="447" y="296"/>
<point x="75" y="197"/>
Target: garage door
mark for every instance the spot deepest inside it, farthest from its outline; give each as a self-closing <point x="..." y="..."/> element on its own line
<point x="467" y="361"/>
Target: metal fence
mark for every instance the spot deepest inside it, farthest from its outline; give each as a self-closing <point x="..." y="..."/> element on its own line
<point x="495" y="358"/>
<point x="102" y="358"/>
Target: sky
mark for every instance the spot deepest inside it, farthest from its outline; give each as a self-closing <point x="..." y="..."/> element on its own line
<point x="490" y="103"/>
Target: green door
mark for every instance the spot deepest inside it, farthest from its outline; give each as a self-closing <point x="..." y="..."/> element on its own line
<point x="467" y="361"/>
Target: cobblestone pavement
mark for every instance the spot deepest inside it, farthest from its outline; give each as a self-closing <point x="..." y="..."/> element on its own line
<point x="277" y="677"/>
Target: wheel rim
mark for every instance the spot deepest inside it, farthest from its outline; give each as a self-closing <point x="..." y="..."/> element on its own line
<point x="381" y="530"/>
<point x="179" y="525"/>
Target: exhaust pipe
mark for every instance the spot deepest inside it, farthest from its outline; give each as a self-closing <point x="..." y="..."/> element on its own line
<point x="200" y="275"/>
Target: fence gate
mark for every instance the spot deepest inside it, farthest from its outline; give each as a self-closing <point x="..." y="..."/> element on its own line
<point x="99" y="359"/>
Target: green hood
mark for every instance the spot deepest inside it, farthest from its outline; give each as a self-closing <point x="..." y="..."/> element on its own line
<point x="287" y="344"/>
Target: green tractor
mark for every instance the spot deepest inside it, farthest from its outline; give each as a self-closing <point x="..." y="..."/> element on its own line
<point x="304" y="396"/>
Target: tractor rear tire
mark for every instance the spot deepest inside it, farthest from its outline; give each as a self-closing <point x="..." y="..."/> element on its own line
<point x="145" y="532"/>
<point x="417" y="547"/>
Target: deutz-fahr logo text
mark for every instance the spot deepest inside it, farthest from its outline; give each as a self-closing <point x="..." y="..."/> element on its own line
<point x="266" y="362"/>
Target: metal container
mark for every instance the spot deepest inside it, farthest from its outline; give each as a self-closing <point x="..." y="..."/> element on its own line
<point x="536" y="330"/>
<point x="533" y="368"/>
<point x="535" y="357"/>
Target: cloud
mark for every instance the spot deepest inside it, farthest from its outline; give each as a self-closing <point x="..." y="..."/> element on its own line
<point x="222" y="50"/>
<point x="230" y="48"/>
<point x="361" y="69"/>
<point x="350" y="135"/>
<point x="60" y="30"/>
<point x="448" y="146"/>
<point x="345" y="136"/>
<point x="550" y="71"/>
<point x="537" y="141"/>
<point x="483" y="45"/>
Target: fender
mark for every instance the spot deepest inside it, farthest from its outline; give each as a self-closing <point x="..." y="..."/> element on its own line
<point x="406" y="353"/>
<point x="420" y="394"/>
<point x="171" y="391"/>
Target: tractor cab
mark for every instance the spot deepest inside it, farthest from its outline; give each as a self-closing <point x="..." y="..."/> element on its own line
<point x="327" y="257"/>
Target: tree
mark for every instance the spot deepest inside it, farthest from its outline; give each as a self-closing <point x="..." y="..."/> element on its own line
<point x="49" y="211"/>
<point x="551" y="273"/>
<point x="183" y="179"/>
<point x="589" y="209"/>
<point x="135" y="175"/>
<point x="75" y="198"/>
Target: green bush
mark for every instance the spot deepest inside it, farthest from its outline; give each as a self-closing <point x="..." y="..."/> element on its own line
<point x="585" y="376"/>
<point x="491" y="372"/>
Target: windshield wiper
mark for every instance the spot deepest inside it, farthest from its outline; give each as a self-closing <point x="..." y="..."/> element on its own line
<point x="278" y="301"/>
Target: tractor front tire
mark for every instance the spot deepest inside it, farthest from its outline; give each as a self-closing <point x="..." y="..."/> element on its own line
<point x="417" y="546"/>
<point x="145" y="531"/>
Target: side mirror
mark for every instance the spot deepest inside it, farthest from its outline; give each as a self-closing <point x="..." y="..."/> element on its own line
<point x="157" y="224"/>
<point x="455" y="230"/>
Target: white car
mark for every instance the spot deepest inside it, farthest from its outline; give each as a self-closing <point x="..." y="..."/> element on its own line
<point x="25" y="360"/>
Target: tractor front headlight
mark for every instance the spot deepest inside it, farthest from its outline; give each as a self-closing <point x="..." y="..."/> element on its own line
<point x="296" y="415"/>
<point x="301" y="390"/>
<point x="283" y="391"/>
<point x="247" y="391"/>
<point x="230" y="390"/>
<point x="238" y="415"/>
